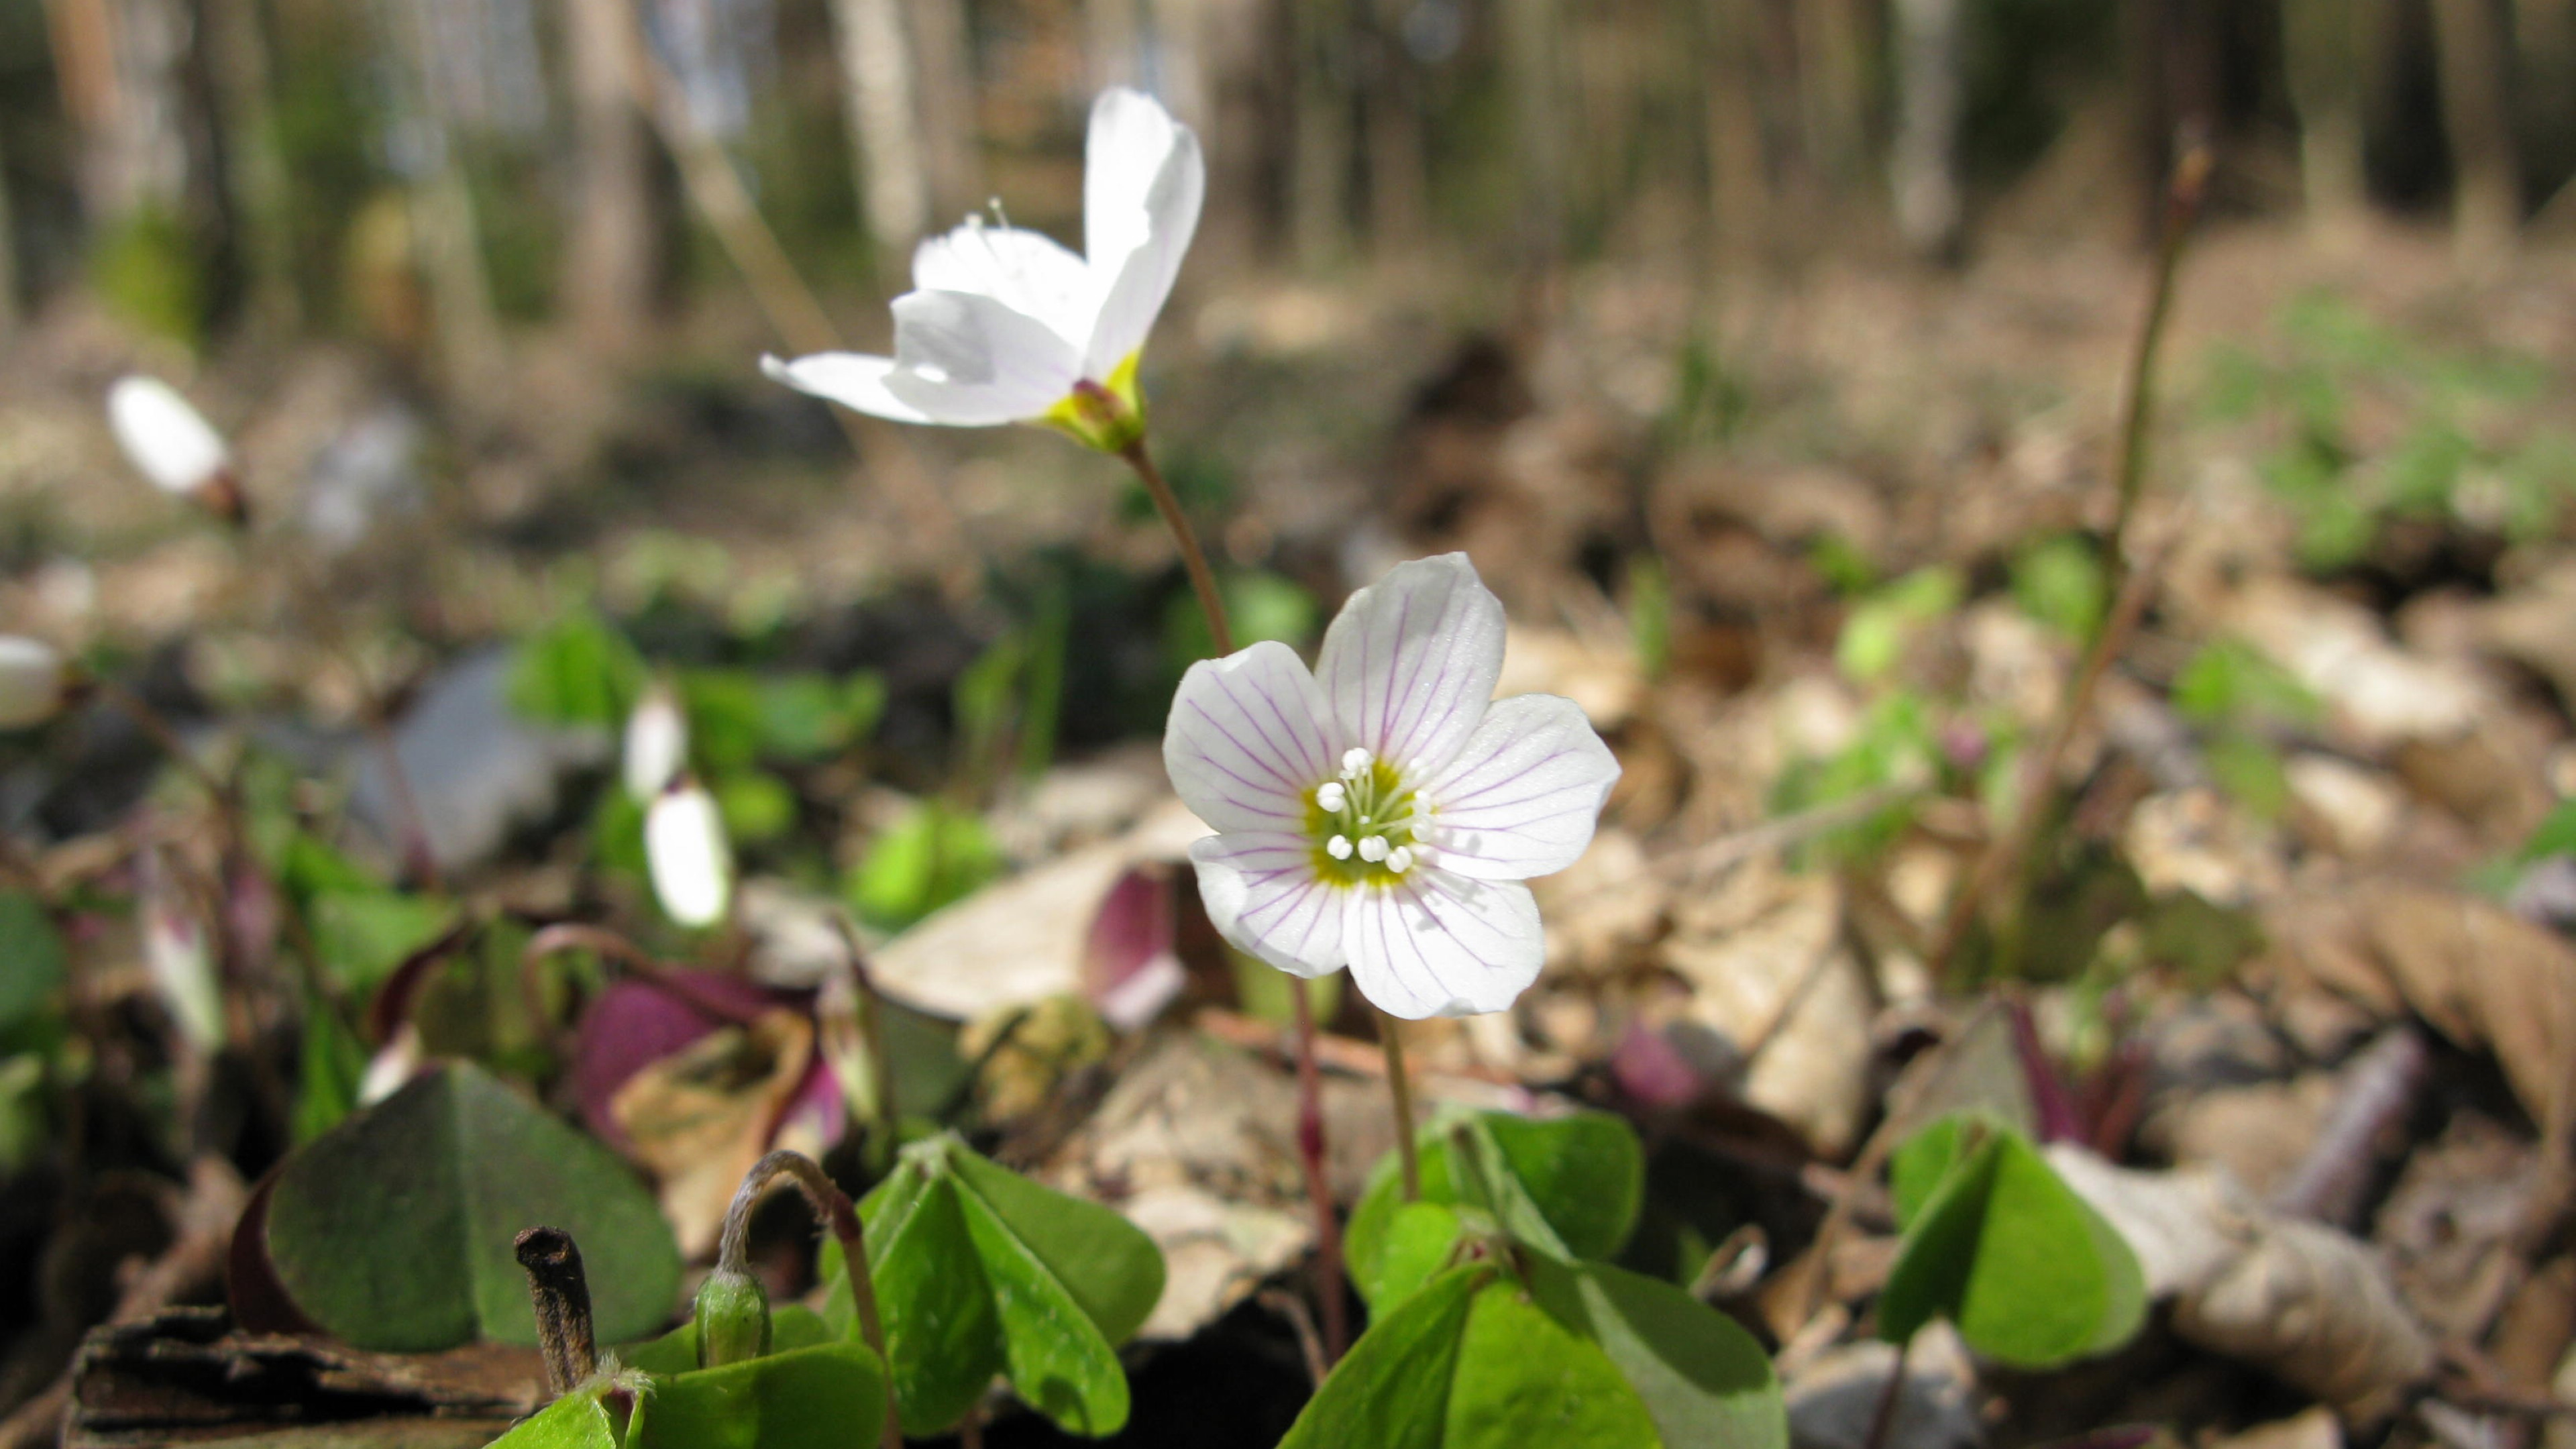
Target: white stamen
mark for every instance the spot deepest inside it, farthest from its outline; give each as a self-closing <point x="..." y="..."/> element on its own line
<point x="1355" y="759"/>
<point x="1399" y="859"/>
<point x="1373" y="848"/>
<point x="1331" y="797"/>
<point x="1364" y="820"/>
<point x="1339" y="847"/>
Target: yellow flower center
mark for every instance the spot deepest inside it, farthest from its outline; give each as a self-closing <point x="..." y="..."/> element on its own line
<point x="1366" y="825"/>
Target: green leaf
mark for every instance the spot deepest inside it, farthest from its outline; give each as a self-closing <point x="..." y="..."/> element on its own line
<point x="932" y="856"/>
<point x="1703" y="1380"/>
<point x="980" y="1271"/>
<point x="1879" y="626"/>
<point x="2059" y="582"/>
<point x="393" y="1231"/>
<point x="578" y="671"/>
<point x="1524" y="1378"/>
<point x="791" y="1326"/>
<point x="332" y="1064"/>
<point x="1391" y="1391"/>
<point x="363" y="935"/>
<point x="828" y="1396"/>
<point x="1417" y="1243"/>
<point x="1999" y="1245"/>
<point x="755" y="807"/>
<point x="2555" y="835"/>
<point x="31" y="958"/>
<point x="578" y="1420"/>
<point x="1570" y="1185"/>
<point x="806" y="717"/>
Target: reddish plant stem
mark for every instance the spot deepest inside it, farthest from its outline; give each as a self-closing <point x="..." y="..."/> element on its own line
<point x="1310" y="1092"/>
<point x="832" y="1207"/>
<point x="1319" y="1187"/>
<point x="1399" y="1085"/>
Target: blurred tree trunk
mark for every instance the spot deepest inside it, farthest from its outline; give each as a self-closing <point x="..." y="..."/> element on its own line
<point x="1923" y="156"/>
<point x="466" y="328"/>
<point x="118" y="65"/>
<point x="261" y="192"/>
<point x="877" y="93"/>
<point x="1739" y="183"/>
<point x="2322" y="51"/>
<point x="1833" y="86"/>
<point x="1319" y="183"/>
<point x="1246" y="124"/>
<point x="949" y="130"/>
<point x="2486" y="173"/>
<point x="609" y="257"/>
<point x="1532" y="51"/>
<point x="8" y="256"/>
<point x="1398" y="179"/>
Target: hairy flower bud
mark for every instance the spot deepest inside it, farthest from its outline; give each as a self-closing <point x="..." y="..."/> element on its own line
<point x="732" y="1317"/>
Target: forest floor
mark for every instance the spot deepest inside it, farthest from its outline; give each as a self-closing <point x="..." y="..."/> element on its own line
<point x="1817" y="552"/>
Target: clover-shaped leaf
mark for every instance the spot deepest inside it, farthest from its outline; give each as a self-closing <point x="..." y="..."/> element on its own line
<point x="393" y="1230"/>
<point x="979" y="1272"/>
<point x="1997" y="1243"/>
<point x="1569" y="1186"/>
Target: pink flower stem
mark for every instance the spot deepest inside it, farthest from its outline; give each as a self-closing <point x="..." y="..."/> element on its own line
<point x="1310" y="1092"/>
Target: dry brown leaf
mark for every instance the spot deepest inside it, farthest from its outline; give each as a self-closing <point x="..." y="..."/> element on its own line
<point x="699" y="1118"/>
<point x="2485" y="977"/>
<point x="2304" y="1301"/>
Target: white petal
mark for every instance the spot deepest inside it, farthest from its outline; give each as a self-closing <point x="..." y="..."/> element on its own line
<point x="1410" y="662"/>
<point x="1436" y="944"/>
<point x="1523" y="795"/>
<point x="854" y="380"/>
<point x="1261" y="893"/>
<point x="1132" y="138"/>
<point x="656" y="746"/>
<point x="1023" y="270"/>
<point x="1247" y="738"/>
<point x="1143" y="275"/>
<point x="684" y="846"/>
<point x="168" y="440"/>
<point x="31" y="682"/>
<point x="969" y="361"/>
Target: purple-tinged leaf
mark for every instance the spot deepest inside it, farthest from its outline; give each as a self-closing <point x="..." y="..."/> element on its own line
<point x="1653" y="1071"/>
<point x="1130" y="967"/>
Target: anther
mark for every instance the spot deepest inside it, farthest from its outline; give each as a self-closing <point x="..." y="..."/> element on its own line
<point x="1400" y="859"/>
<point x="1331" y="797"/>
<point x="1339" y="847"/>
<point x="1373" y="849"/>
<point x="1356" y="759"/>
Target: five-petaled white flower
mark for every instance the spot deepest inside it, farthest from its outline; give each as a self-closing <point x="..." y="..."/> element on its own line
<point x="1382" y="812"/>
<point x="1005" y="326"/>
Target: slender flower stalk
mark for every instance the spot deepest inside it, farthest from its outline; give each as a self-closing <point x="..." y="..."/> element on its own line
<point x="834" y="1211"/>
<point x="1399" y="1085"/>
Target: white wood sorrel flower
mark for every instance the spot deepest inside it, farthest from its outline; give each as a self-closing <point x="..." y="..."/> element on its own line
<point x="1005" y="326"/>
<point x="1382" y="812"/>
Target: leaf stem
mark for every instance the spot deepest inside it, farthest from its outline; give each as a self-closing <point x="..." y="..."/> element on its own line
<point x="561" y="1296"/>
<point x="1399" y="1085"/>
<point x="832" y="1207"/>
<point x="1211" y="603"/>
<point x="1310" y="1094"/>
<point x="1883" y="1421"/>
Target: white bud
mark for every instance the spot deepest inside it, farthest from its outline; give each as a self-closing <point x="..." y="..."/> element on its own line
<point x="684" y="844"/>
<point x="1373" y="848"/>
<point x="657" y="744"/>
<point x="32" y="680"/>
<point x="1339" y="847"/>
<point x="1399" y="860"/>
<point x="1356" y="759"/>
<point x="167" y="439"/>
<point x="178" y="958"/>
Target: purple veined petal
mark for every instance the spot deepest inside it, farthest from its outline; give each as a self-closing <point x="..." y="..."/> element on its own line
<point x="1139" y="281"/>
<point x="1025" y="271"/>
<point x="1247" y="738"/>
<point x="969" y="361"/>
<point x="1262" y="894"/>
<point x="1525" y="792"/>
<point x="854" y="380"/>
<point x="1436" y="944"/>
<point x="1409" y="664"/>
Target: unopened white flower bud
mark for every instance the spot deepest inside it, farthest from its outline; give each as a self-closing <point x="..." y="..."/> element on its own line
<point x="684" y="846"/>
<point x="179" y="958"/>
<point x="169" y="441"/>
<point x="657" y="744"/>
<point x="33" y="681"/>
